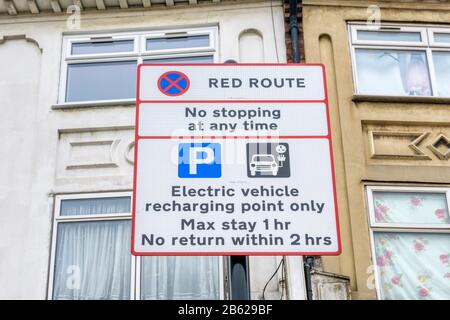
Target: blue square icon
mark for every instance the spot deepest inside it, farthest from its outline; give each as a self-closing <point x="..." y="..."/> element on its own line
<point x="199" y="160"/>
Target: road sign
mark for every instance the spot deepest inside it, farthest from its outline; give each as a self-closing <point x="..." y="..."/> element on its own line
<point x="233" y="160"/>
<point x="173" y="83"/>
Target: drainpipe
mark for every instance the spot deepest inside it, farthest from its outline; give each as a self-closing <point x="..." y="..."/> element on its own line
<point x="293" y="29"/>
<point x="309" y="265"/>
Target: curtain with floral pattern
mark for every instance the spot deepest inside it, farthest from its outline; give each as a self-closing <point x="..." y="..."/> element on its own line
<point x="412" y="265"/>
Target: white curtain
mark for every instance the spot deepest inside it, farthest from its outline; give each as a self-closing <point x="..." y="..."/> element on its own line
<point x="413" y="266"/>
<point x="180" y="278"/>
<point x="392" y="72"/>
<point x="75" y="207"/>
<point x="93" y="260"/>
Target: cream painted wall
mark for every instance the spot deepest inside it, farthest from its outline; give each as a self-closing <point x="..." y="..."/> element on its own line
<point x="326" y="41"/>
<point x="36" y="137"/>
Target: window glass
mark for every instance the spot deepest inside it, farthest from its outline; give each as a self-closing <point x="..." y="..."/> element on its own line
<point x="392" y="72"/>
<point x="389" y="36"/>
<point x="177" y="278"/>
<point x="442" y="70"/>
<point x="92" y="261"/>
<point x="410" y="207"/>
<point x="203" y="59"/>
<point x="441" y="37"/>
<point x="101" y="81"/>
<point x="168" y="43"/>
<point x="102" y="47"/>
<point x="111" y="205"/>
<point x="413" y="265"/>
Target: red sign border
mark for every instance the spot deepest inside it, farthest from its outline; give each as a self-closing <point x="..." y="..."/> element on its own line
<point x="137" y="138"/>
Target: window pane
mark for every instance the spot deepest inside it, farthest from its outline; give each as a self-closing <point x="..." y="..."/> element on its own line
<point x="441" y="37"/>
<point x="177" y="42"/>
<point x="92" y="261"/>
<point x="392" y="72"/>
<point x="389" y="36"/>
<point x="176" y="278"/>
<point x="77" y="207"/>
<point x="442" y="69"/>
<point x="101" y="81"/>
<point x="103" y="47"/>
<point x="204" y="59"/>
<point x="410" y="207"/>
<point x="413" y="265"/>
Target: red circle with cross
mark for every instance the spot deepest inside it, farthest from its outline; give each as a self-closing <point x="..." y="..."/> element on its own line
<point x="173" y="83"/>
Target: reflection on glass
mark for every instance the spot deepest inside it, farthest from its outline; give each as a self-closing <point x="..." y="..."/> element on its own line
<point x="202" y="59"/>
<point x="177" y="42"/>
<point x="101" y="81"/>
<point x="442" y="70"/>
<point x="392" y="72"/>
<point x="389" y="36"/>
<point x="102" y="47"/>
<point x="442" y="37"/>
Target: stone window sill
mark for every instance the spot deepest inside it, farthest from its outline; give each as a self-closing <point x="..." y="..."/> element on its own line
<point x="102" y="104"/>
<point x="400" y="99"/>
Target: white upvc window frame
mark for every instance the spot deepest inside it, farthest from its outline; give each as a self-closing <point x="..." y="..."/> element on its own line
<point x="180" y="33"/>
<point x="432" y="31"/>
<point x="393" y="29"/>
<point x="139" y="53"/>
<point x="135" y="273"/>
<point x="58" y="218"/>
<point x="375" y="227"/>
<point x="100" y="38"/>
<point x="427" y="45"/>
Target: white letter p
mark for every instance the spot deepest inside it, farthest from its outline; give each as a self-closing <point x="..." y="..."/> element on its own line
<point x="195" y="159"/>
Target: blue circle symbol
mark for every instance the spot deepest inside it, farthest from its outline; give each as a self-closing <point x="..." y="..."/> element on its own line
<point x="173" y="83"/>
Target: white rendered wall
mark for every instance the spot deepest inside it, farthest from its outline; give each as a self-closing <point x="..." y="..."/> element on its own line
<point x="37" y="161"/>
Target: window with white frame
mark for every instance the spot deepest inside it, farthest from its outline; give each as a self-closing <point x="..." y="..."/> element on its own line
<point x="102" y="67"/>
<point x="410" y="233"/>
<point x="401" y="60"/>
<point x="91" y="257"/>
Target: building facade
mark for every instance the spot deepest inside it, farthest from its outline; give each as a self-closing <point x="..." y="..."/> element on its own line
<point x="387" y="65"/>
<point x="67" y="89"/>
<point x="68" y="79"/>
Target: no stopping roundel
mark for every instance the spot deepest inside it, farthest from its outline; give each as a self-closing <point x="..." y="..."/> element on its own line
<point x="173" y="83"/>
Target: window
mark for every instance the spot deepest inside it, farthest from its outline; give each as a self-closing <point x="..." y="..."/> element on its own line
<point x="91" y="257"/>
<point x="410" y="232"/>
<point x="102" y="67"/>
<point x="401" y="61"/>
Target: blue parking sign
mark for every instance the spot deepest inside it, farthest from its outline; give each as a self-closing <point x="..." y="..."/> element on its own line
<point x="199" y="160"/>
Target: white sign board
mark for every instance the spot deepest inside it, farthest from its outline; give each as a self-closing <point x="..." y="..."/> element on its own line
<point x="233" y="169"/>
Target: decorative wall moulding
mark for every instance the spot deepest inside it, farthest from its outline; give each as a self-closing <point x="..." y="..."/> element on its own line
<point x="395" y="143"/>
<point x="94" y="152"/>
<point x="440" y="146"/>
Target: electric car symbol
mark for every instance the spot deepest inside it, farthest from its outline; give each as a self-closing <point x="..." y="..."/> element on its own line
<point x="263" y="163"/>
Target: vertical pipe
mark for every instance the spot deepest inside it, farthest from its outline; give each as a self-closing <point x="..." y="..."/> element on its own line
<point x="308" y="269"/>
<point x="293" y="30"/>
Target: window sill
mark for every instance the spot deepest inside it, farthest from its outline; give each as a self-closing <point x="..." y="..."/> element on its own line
<point x="400" y="99"/>
<point x="96" y="104"/>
